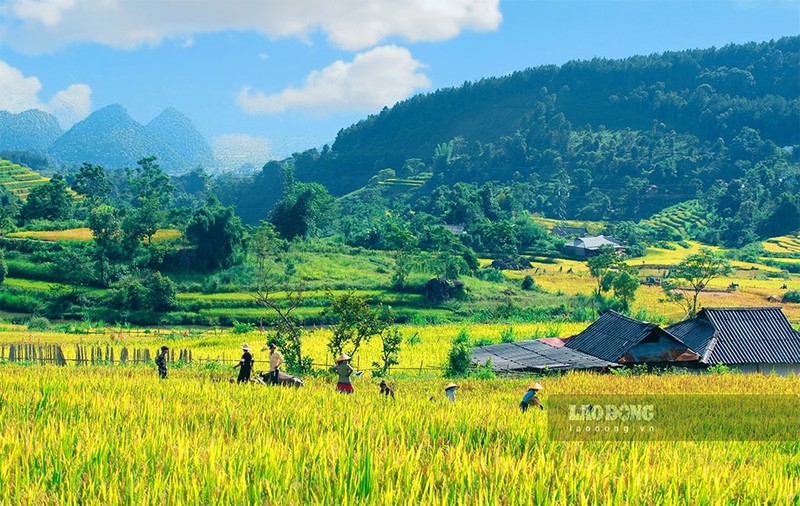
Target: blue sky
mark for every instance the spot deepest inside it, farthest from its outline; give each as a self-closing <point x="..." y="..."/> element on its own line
<point x="269" y="77"/>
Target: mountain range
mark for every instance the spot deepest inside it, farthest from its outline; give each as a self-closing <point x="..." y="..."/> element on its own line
<point x="111" y="138"/>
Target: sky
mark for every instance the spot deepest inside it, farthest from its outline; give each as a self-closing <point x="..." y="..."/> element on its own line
<point x="264" y="78"/>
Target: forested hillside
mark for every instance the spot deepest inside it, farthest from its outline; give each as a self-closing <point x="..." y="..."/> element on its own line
<point x="601" y="139"/>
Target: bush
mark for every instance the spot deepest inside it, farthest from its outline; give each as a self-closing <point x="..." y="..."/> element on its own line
<point x="792" y="296"/>
<point x="242" y="328"/>
<point x="459" y="358"/>
<point x="38" y="323"/>
<point x="528" y="283"/>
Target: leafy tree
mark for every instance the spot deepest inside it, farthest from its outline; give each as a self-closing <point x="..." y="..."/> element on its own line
<point x="391" y="341"/>
<point x="308" y="210"/>
<point x="625" y="285"/>
<point x="9" y="208"/>
<point x="600" y="266"/>
<point x="93" y="182"/>
<point x="50" y="201"/>
<point x="697" y="270"/>
<point x="217" y="234"/>
<point x="356" y="323"/>
<point x="152" y="191"/>
<point x="161" y="292"/>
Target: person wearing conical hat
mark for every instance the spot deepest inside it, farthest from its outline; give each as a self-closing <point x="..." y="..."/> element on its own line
<point x="450" y="392"/>
<point x="344" y="370"/>
<point x="530" y="398"/>
<point x="245" y="365"/>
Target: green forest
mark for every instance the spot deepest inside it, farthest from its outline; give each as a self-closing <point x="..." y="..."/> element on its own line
<point x="603" y="139"/>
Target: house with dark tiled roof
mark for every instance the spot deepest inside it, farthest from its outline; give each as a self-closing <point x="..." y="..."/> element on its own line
<point x="618" y="338"/>
<point x="751" y="339"/>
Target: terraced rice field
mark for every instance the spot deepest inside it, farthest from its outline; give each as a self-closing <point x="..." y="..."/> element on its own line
<point x="19" y="180"/>
<point x="85" y="235"/>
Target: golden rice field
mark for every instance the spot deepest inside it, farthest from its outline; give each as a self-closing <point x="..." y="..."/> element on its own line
<point x="116" y="435"/>
<point x="423" y="346"/>
<point x="84" y="235"/>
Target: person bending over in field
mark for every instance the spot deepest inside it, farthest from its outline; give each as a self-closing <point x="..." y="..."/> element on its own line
<point x="245" y="365"/>
<point x="344" y="370"/>
<point x="530" y="398"/>
<point x="386" y="389"/>
<point x="161" y="362"/>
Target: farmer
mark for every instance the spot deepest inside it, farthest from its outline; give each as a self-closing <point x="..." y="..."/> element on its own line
<point x="530" y="398"/>
<point x="275" y="362"/>
<point x="450" y="392"/>
<point x="245" y="365"/>
<point x="386" y="389"/>
<point x="344" y="369"/>
<point x="161" y="362"/>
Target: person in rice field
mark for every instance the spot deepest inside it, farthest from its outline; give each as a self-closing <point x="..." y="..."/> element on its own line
<point x="245" y="365"/>
<point x="344" y="370"/>
<point x="386" y="389"/>
<point x="275" y="362"/>
<point x="450" y="392"/>
<point x="161" y="362"/>
<point x="530" y="398"/>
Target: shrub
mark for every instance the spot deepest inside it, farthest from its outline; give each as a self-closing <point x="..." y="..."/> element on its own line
<point x="528" y="283"/>
<point x="242" y="328"/>
<point x="38" y="323"/>
<point x="792" y="296"/>
<point x="460" y="356"/>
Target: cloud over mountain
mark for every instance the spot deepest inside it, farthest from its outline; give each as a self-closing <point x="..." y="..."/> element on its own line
<point x="21" y="93"/>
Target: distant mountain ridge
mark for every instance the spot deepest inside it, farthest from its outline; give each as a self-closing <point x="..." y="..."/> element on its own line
<point x="32" y="130"/>
<point x="111" y="138"/>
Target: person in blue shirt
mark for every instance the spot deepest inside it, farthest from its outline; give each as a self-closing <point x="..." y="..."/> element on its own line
<point x="530" y="398"/>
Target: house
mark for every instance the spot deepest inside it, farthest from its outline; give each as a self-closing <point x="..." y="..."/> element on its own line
<point x="751" y="339"/>
<point x="568" y="232"/>
<point x="586" y="247"/>
<point x="535" y="355"/>
<point x="618" y="338"/>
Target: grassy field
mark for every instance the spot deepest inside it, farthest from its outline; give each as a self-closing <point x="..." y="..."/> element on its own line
<point x="119" y="436"/>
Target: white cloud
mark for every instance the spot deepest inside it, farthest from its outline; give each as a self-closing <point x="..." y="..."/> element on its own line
<point x="21" y="93"/>
<point x="232" y="151"/>
<point x="71" y="105"/>
<point x="43" y="25"/>
<point x="374" y="79"/>
<point x="263" y="56"/>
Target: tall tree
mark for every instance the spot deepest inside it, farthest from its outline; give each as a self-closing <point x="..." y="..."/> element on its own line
<point x="50" y="201"/>
<point x="152" y="191"/>
<point x="217" y="233"/>
<point x="698" y="271"/>
<point x="93" y="182"/>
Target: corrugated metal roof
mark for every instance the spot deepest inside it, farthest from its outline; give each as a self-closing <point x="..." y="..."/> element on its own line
<point x="592" y="243"/>
<point x="535" y="355"/>
<point x="617" y="338"/>
<point x="761" y="335"/>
